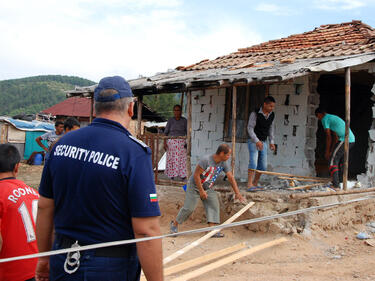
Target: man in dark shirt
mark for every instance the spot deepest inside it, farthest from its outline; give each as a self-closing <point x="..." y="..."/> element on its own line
<point x="260" y="127"/>
<point x="97" y="186"/>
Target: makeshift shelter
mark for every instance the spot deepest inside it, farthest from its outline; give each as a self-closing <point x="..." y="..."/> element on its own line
<point x="83" y="110"/>
<point x="22" y="134"/>
<point x="320" y="67"/>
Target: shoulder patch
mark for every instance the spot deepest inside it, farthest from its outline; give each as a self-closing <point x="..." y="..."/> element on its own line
<point x="141" y="143"/>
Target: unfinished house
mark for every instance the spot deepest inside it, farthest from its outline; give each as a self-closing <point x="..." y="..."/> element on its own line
<point x="301" y="72"/>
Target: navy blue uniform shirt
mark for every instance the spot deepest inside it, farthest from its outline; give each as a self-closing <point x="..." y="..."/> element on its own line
<point x="99" y="178"/>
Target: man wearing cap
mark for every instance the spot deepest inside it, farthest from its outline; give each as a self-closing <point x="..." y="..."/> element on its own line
<point x="97" y="186"/>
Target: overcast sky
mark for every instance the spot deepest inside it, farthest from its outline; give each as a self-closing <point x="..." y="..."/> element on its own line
<point x="97" y="38"/>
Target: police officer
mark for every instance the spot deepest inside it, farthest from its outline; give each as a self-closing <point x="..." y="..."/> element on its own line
<point x="97" y="187"/>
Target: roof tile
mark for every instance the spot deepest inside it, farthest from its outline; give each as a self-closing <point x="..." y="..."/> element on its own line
<point x="327" y="40"/>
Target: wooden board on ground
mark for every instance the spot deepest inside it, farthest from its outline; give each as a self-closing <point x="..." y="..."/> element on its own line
<point x="308" y="186"/>
<point x="304" y="179"/>
<point x="203" y="259"/>
<point x="284" y="174"/>
<point x="228" y="259"/>
<point x="207" y="236"/>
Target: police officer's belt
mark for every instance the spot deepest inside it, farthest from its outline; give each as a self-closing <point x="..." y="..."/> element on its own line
<point x="121" y="251"/>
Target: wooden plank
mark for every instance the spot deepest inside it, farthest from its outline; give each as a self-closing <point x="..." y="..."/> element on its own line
<point x="189" y="130"/>
<point x="247" y="106"/>
<point x="205" y="237"/>
<point x="91" y="108"/>
<point x="284" y="174"/>
<point x="157" y="160"/>
<point x="228" y="96"/>
<point x="347" y="128"/>
<point x="329" y="193"/>
<point x="229" y="259"/>
<point x="234" y="128"/>
<point x="203" y="259"/>
<point x="304" y="179"/>
<point x="182" y="100"/>
<point x="308" y="186"/>
<point x="139" y="116"/>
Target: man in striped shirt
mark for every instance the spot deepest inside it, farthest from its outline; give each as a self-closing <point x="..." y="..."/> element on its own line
<point x="200" y="187"/>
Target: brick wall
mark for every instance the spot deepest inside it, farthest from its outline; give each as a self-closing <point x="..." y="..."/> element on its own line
<point x="368" y="179"/>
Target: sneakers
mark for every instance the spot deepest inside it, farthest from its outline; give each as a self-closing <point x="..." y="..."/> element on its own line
<point x="173" y="228"/>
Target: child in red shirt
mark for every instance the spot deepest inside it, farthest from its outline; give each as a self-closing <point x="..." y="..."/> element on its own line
<point x="18" y="208"/>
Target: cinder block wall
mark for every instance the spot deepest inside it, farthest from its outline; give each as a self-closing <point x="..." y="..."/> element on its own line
<point x="368" y="179"/>
<point x="295" y="127"/>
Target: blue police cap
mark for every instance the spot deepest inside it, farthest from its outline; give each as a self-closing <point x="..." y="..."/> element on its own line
<point x="115" y="83"/>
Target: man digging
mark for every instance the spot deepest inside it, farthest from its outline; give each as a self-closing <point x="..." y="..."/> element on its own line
<point x="200" y="186"/>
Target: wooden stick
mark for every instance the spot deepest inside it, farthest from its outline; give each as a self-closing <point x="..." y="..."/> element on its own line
<point x="139" y="116"/>
<point x="91" y="109"/>
<point x="347" y="128"/>
<point x="189" y="131"/>
<point x="285" y="174"/>
<point x="203" y="259"/>
<point x="171" y="182"/>
<point x="329" y="193"/>
<point x="308" y="186"/>
<point x="229" y="259"/>
<point x="207" y="236"/>
<point x="234" y="128"/>
<point x="304" y="179"/>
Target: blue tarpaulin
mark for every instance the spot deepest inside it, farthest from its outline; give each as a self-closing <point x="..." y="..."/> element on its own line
<point x="30" y="126"/>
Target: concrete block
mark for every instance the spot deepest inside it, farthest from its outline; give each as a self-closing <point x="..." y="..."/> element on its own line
<point x="297" y="99"/>
<point x="220" y="128"/>
<point x="220" y="100"/>
<point x="202" y="136"/>
<point x="220" y="110"/>
<point x="215" y="136"/>
<point x="273" y="90"/>
<point x="286" y="89"/>
<point x="202" y="117"/>
<point x="222" y="91"/>
<point x="196" y="126"/>
<point x="313" y="99"/>
<point x="211" y="92"/>
<point x="372" y="135"/>
<point x="196" y="108"/>
<point x="209" y="108"/>
<point x="209" y="126"/>
<point x="205" y="99"/>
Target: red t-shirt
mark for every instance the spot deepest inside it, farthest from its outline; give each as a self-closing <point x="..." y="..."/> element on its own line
<point x="18" y="208"/>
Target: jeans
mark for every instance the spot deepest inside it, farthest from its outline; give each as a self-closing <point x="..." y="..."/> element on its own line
<point x="258" y="158"/>
<point x="96" y="268"/>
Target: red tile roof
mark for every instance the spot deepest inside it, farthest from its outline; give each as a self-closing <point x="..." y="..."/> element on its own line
<point x="78" y="107"/>
<point x="343" y="39"/>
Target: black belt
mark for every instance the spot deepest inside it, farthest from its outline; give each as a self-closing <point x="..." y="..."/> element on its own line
<point x="121" y="251"/>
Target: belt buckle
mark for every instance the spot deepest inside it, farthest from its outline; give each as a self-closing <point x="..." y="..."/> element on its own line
<point x="72" y="262"/>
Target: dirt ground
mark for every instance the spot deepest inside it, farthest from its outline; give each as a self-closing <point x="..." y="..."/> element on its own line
<point x="320" y="255"/>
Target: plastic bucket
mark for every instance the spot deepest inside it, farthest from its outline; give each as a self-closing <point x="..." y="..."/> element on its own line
<point x="38" y="159"/>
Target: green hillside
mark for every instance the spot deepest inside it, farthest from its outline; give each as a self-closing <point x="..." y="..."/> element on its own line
<point x="33" y="94"/>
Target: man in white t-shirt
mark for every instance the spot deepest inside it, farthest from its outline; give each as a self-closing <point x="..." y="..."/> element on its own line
<point x="51" y="137"/>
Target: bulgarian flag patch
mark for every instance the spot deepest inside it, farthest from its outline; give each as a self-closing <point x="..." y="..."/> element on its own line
<point x="153" y="197"/>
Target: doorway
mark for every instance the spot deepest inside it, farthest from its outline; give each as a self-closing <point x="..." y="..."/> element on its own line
<point x="331" y="88"/>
